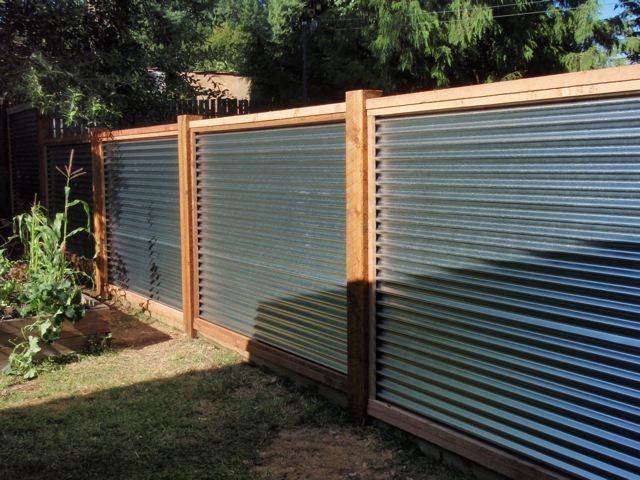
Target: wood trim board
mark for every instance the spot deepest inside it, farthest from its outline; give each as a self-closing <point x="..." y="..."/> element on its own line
<point x="551" y="88"/>
<point x="358" y="247"/>
<point x="164" y="312"/>
<point x="478" y="451"/>
<point x="186" y="187"/>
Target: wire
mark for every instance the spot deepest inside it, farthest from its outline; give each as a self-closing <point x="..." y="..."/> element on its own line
<point x="464" y="9"/>
<point x="520" y="14"/>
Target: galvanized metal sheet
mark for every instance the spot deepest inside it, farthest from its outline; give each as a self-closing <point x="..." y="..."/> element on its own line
<point x="508" y="278"/>
<point x="143" y="218"/>
<point x="271" y="233"/>
<point x="25" y="165"/>
<point x="81" y="188"/>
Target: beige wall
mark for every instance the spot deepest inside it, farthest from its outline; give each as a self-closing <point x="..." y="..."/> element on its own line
<point x="237" y="86"/>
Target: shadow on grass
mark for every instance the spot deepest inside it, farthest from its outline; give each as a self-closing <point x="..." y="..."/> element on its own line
<point x="130" y="332"/>
<point x="203" y="424"/>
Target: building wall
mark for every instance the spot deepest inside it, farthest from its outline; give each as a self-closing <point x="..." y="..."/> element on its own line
<point x="232" y="85"/>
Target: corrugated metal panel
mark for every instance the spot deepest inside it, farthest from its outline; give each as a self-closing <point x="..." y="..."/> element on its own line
<point x="271" y="207"/>
<point x="509" y="278"/>
<point x="81" y="188"/>
<point x="25" y="166"/>
<point x="143" y="218"/>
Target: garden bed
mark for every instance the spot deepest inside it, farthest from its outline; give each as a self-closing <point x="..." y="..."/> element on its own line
<point x="74" y="337"/>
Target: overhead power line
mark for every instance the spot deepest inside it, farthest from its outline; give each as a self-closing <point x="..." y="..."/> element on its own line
<point x="507" y="15"/>
<point x="464" y="9"/>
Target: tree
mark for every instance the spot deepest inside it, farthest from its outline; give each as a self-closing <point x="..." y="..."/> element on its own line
<point x="407" y="45"/>
<point x="92" y="59"/>
<point x="263" y="39"/>
<point x="432" y="43"/>
<point x="628" y="22"/>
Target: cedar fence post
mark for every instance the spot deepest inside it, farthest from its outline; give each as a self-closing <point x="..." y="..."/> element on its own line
<point x="99" y="210"/>
<point x="360" y="205"/>
<point x="186" y="157"/>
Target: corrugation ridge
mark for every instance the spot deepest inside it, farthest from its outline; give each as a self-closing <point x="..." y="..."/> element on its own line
<point x="541" y="361"/>
<point x="506" y="405"/>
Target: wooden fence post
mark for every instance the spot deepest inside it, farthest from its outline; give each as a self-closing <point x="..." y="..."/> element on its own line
<point x="186" y="157"/>
<point x="99" y="211"/>
<point x="360" y="264"/>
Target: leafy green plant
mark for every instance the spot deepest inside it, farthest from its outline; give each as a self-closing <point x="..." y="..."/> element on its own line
<point x="51" y="293"/>
<point x="7" y="284"/>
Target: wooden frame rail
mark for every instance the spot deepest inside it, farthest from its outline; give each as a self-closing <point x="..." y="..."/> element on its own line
<point x="159" y="310"/>
<point x="334" y="112"/>
<point x="553" y="88"/>
<point x="252" y="349"/>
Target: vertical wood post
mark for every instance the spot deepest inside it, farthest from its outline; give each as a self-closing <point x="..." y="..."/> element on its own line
<point x="99" y="211"/>
<point x="360" y="211"/>
<point x="186" y="188"/>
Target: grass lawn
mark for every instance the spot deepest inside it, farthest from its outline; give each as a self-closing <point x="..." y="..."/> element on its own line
<point x="161" y="406"/>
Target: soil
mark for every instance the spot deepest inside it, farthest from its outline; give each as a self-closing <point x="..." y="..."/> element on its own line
<point x="321" y="454"/>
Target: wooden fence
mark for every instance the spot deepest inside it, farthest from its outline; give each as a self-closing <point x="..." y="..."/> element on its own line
<point x="461" y="135"/>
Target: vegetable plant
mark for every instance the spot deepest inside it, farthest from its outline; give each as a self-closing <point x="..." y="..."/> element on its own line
<point x="50" y="291"/>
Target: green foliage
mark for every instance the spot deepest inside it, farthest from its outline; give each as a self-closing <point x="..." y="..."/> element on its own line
<point x="98" y="344"/>
<point x="21" y="358"/>
<point x="413" y="44"/>
<point x="93" y="59"/>
<point x="8" y="286"/>
<point x="437" y="44"/>
<point x="51" y="293"/>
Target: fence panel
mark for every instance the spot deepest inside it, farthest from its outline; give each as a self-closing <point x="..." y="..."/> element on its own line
<point x="143" y="218"/>
<point x="24" y="159"/>
<point x="271" y="234"/>
<point x="81" y="188"/>
<point x="508" y="254"/>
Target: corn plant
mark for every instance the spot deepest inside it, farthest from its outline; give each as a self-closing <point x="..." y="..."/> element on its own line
<point x="51" y="293"/>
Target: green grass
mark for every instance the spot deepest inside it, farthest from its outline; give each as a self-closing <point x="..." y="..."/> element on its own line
<point x="160" y="406"/>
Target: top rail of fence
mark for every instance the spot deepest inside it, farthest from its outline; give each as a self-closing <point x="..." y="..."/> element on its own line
<point x="293" y="116"/>
<point x="568" y="86"/>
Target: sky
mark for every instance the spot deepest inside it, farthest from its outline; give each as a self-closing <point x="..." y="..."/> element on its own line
<point x="606" y="8"/>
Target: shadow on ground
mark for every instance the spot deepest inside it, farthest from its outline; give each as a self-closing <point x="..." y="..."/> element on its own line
<point x="130" y="332"/>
